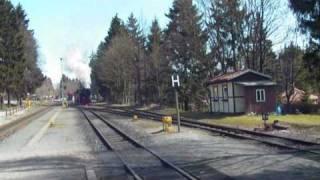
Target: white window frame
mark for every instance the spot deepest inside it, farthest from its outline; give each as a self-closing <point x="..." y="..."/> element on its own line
<point x="225" y="94"/>
<point x="262" y="95"/>
<point x="215" y="93"/>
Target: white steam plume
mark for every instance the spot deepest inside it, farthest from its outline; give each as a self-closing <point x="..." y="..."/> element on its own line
<point x="76" y="64"/>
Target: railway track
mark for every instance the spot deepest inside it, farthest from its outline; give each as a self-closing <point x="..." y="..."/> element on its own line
<point x="142" y="162"/>
<point x="269" y="139"/>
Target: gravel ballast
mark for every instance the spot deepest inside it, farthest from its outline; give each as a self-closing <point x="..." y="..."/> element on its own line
<point x="211" y="156"/>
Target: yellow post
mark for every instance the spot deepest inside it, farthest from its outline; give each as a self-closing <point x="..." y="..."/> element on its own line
<point x="135" y="118"/>
<point x="65" y="104"/>
<point x="29" y="104"/>
<point x="167" y="124"/>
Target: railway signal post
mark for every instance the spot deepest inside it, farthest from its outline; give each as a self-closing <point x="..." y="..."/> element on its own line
<point x="265" y="118"/>
<point x="176" y="85"/>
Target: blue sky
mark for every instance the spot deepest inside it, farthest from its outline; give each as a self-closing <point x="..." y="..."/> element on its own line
<point x="72" y="29"/>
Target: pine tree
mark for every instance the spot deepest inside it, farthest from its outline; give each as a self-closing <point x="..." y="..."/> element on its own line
<point x="115" y="28"/>
<point x="15" y="62"/>
<point x="118" y="70"/>
<point x="307" y="12"/>
<point x="136" y="35"/>
<point x="18" y="52"/>
<point x="158" y="67"/>
<point x="3" y="24"/>
<point x="100" y="85"/>
<point x="224" y="28"/>
<point x="21" y="25"/>
<point x="186" y="49"/>
<point x="33" y="76"/>
<point x="7" y="38"/>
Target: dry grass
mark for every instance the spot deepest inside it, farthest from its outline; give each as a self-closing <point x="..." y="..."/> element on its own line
<point x="247" y="121"/>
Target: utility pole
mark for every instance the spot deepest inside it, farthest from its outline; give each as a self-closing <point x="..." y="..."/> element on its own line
<point x="1" y="95"/>
<point x="61" y="83"/>
<point x="177" y="107"/>
<point x="176" y="85"/>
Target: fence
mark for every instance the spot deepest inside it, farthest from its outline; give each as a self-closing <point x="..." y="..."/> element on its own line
<point x="13" y="110"/>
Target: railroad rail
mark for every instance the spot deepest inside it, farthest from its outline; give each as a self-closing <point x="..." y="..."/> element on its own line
<point x="116" y="140"/>
<point x="269" y="139"/>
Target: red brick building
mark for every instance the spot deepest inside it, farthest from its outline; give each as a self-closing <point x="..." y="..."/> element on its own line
<point x="242" y="92"/>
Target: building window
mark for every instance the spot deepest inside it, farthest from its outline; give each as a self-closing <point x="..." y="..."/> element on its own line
<point x="215" y="93"/>
<point x="225" y="92"/>
<point x="260" y="95"/>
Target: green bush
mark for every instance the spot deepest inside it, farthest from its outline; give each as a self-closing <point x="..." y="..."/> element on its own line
<point x="305" y="108"/>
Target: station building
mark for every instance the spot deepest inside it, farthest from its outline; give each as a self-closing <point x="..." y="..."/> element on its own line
<point x="245" y="91"/>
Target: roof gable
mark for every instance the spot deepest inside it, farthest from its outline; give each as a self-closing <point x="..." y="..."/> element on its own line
<point x="246" y="75"/>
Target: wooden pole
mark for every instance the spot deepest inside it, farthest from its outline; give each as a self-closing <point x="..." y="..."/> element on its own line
<point x="177" y="107"/>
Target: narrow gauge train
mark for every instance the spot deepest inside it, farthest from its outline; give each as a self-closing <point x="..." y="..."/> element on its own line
<point x="82" y="96"/>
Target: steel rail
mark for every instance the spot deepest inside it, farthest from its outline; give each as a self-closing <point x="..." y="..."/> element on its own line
<point x="229" y="131"/>
<point x="304" y="142"/>
<point x="134" y="141"/>
<point x="138" y="144"/>
<point x="157" y="115"/>
<point x="107" y="143"/>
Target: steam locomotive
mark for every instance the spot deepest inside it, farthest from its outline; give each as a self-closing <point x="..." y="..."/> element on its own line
<point x="82" y="96"/>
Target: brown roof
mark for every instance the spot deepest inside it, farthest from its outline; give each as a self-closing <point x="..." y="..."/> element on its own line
<point x="230" y="76"/>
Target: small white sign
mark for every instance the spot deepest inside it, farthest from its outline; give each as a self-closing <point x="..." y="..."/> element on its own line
<point x="175" y="81"/>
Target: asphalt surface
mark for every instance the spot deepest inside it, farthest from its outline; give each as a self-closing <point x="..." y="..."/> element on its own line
<point x="62" y="145"/>
<point x="57" y="145"/>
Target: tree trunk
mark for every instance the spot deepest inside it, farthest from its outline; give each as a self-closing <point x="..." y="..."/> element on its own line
<point x="19" y="100"/>
<point x="9" y="101"/>
<point x="1" y="101"/>
<point x="288" y="105"/>
<point x="261" y="37"/>
<point x="186" y="104"/>
<point x="159" y="93"/>
<point x="139" y="88"/>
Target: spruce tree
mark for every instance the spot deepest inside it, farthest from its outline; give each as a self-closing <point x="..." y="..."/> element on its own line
<point x="18" y="52"/>
<point x="115" y="28"/>
<point x="308" y="15"/>
<point x="224" y="28"/>
<point x="158" y="67"/>
<point x="5" y="9"/>
<point x="11" y="41"/>
<point x="97" y="84"/>
<point x="19" y="61"/>
<point x="186" y="49"/>
<point x="136" y="35"/>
